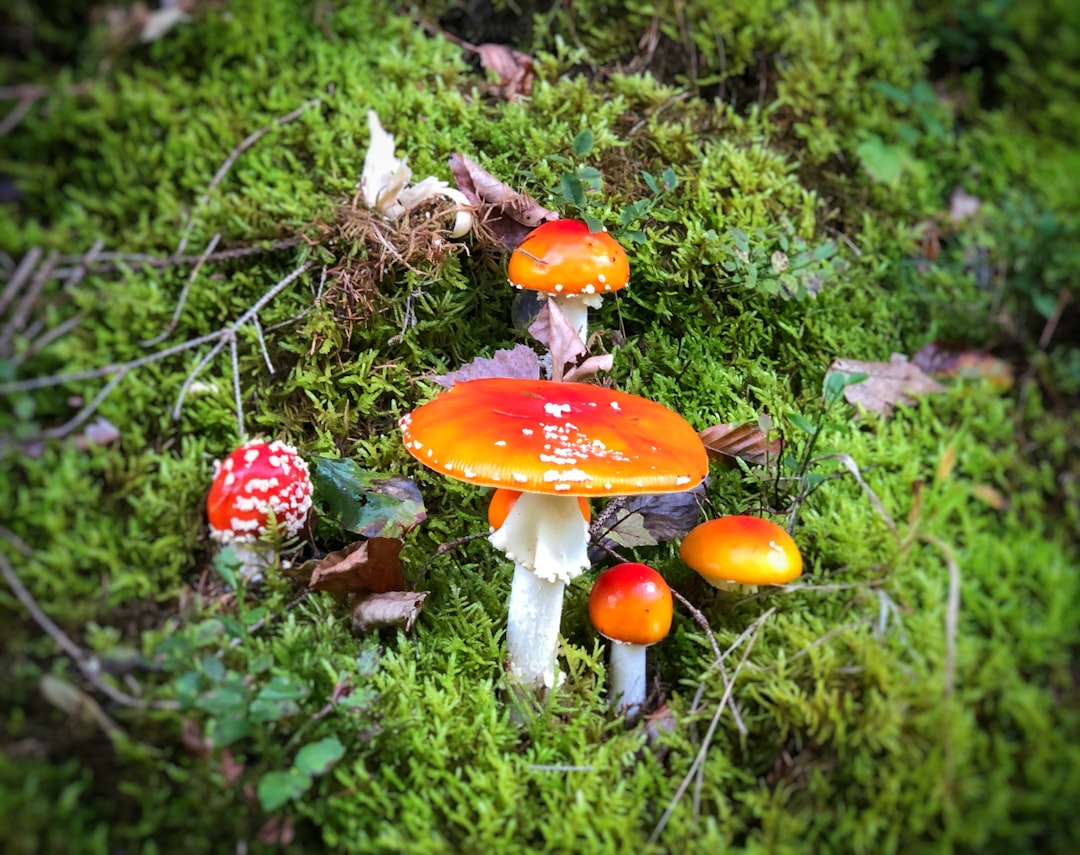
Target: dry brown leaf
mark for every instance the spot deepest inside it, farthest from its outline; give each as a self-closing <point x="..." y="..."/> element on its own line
<point x="513" y="68"/>
<point x="277" y="831"/>
<point x="944" y="359"/>
<point x="744" y="441"/>
<point x="369" y="565"/>
<point x="504" y="212"/>
<point x="570" y="359"/>
<point x="519" y="362"/>
<point x="390" y="609"/>
<point x="963" y="206"/>
<point x="897" y="381"/>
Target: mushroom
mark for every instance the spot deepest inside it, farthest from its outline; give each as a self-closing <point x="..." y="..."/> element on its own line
<point x="555" y="443"/>
<point x="573" y="266"/>
<point x="260" y="488"/>
<point x="630" y="605"/>
<point x="741" y="550"/>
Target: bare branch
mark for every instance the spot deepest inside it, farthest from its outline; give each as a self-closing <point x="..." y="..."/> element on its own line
<point x="182" y="299"/>
<point x="33" y="383"/>
<point x="223" y="170"/>
<point x="699" y="760"/>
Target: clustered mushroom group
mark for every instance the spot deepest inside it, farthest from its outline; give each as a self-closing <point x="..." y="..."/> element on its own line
<point x="545" y="447"/>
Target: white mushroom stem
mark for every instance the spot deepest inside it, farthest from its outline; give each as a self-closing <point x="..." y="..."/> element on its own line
<point x="253" y="559"/>
<point x="547" y="539"/>
<point x="576" y="311"/>
<point x="626" y="677"/>
<point x="532" y="629"/>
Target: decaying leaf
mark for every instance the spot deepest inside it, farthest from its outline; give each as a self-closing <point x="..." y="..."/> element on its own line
<point x="897" y="381"/>
<point x="513" y="68"/>
<point x="504" y="212"/>
<point x="368" y="503"/>
<point x="519" y="362"/>
<point x="633" y="521"/>
<point x="385" y="188"/>
<point x="390" y="609"/>
<point x="963" y="206"/>
<point x="745" y="441"/>
<point x="368" y="566"/>
<point x="570" y="359"/>
<point x="944" y="359"/>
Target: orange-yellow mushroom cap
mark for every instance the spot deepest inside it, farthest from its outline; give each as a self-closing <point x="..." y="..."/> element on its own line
<point x="564" y="257"/>
<point x="745" y="550"/>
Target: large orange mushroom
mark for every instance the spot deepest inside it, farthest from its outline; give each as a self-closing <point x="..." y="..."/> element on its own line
<point x="553" y="442"/>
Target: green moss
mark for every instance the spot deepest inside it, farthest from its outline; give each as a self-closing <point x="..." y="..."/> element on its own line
<point x="805" y="128"/>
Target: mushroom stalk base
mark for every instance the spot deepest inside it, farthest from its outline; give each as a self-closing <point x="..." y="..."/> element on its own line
<point x="532" y="629"/>
<point x="626" y="675"/>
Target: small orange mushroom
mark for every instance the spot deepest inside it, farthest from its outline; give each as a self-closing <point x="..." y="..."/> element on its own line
<point x="573" y="266"/>
<point x="741" y="550"/>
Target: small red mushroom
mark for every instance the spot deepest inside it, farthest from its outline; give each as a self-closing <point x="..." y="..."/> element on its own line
<point x="630" y="605"/>
<point x="261" y="487"/>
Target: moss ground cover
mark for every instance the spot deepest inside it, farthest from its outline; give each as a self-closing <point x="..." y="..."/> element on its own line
<point x="784" y="177"/>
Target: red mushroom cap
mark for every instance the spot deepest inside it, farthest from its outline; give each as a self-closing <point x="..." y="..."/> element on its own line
<point x="742" y="549"/>
<point x="564" y="257"/>
<point x="541" y="436"/>
<point x="631" y="603"/>
<point x="254" y="480"/>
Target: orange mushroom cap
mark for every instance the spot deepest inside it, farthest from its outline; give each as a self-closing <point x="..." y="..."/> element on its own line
<point x="564" y="257"/>
<point x="631" y="603"/>
<point x="503" y="499"/>
<point x="255" y="479"/>
<point x="542" y="436"/>
<point x="742" y="549"/>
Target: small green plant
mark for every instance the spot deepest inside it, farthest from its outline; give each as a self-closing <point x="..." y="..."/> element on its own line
<point x="785" y="266"/>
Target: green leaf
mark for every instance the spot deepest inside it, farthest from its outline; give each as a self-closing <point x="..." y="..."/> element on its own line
<point x="282" y="688"/>
<point x="802" y="423"/>
<point x="316" y="758"/>
<point x="225" y="563"/>
<point x="571" y="189"/>
<point x="368" y="503"/>
<point x="277" y="789"/>
<point x="594" y="224"/>
<point x="583" y="143"/>
<point x="650" y="182"/>
<point x="670" y="179"/>
<point x="885" y="162"/>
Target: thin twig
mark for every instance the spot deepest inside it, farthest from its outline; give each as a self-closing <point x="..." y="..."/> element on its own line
<point x="262" y="344"/>
<point x="57" y="332"/>
<point x="22" y="311"/>
<point x="699" y="760"/>
<point x="236" y="387"/>
<point x="192" y="375"/>
<point x="75" y="421"/>
<point x="223" y="170"/>
<point x="22" y="273"/>
<point x="86" y="663"/>
<point x="182" y="299"/>
<point x="108" y="262"/>
<point x="701" y="621"/>
<point x="33" y="383"/>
